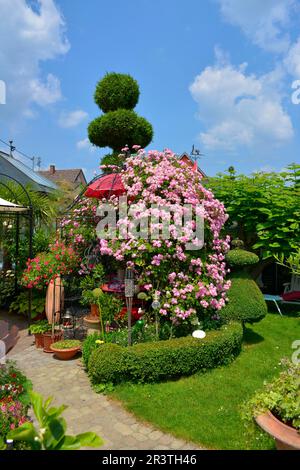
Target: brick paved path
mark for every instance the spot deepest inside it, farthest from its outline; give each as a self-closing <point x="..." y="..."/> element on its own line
<point x="88" y="411"/>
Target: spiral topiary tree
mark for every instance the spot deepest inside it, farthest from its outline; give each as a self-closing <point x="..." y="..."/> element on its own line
<point x="246" y="302"/>
<point x="117" y="95"/>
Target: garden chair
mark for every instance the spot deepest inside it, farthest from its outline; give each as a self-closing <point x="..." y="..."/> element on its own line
<point x="293" y="286"/>
<point x="291" y="294"/>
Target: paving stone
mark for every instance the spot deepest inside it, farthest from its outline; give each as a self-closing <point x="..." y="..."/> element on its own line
<point x="155" y="435"/>
<point x="124" y="429"/>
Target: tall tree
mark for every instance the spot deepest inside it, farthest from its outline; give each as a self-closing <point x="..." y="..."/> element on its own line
<point x="117" y="95"/>
<point x="264" y="210"/>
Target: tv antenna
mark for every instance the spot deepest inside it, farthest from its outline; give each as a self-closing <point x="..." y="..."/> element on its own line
<point x="38" y="163"/>
<point x="196" y="152"/>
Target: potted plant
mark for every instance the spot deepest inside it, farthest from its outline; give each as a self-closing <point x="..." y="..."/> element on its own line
<point x="88" y="299"/>
<point x="276" y="409"/>
<point x="66" y="349"/>
<point x="52" y="335"/>
<point x="38" y="329"/>
<point x="88" y="284"/>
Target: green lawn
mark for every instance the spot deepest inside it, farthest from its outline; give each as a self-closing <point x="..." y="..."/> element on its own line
<point x="204" y="408"/>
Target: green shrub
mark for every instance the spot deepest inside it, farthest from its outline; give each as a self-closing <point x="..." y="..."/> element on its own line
<point x="88" y="346"/>
<point x="20" y="304"/>
<point x="7" y="287"/>
<point x="155" y="361"/>
<point x="112" y="159"/>
<point x="246" y="302"/>
<point x="238" y="257"/>
<point x="93" y="280"/>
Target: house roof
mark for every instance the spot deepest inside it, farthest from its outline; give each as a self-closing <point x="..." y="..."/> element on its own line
<point x="70" y="175"/>
<point x="188" y="160"/>
<point x="13" y="167"/>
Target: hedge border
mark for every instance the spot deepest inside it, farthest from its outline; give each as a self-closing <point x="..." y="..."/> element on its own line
<point x="163" y="360"/>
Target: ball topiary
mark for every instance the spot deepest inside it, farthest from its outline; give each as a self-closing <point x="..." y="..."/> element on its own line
<point x="118" y="128"/>
<point x="115" y="91"/>
<point x="246" y="302"/>
<point x="97" y="292"/>
<point x="117" y="94"/>
<point x="238" y="257"/>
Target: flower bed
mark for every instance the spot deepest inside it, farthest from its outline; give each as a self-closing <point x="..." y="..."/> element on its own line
<point x="161" y="360"/>
<point x="14" y="399"/>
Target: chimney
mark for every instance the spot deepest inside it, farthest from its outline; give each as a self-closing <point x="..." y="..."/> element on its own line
<point x="52" y="169"/>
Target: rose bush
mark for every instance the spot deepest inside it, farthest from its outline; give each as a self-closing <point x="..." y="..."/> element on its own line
<point x="79" y="232"/>
<point x="186" y="282"/>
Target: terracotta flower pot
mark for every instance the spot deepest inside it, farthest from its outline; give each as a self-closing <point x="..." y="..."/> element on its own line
<point x="286" y="437"/>
<point x="64" y="354"/>
<point x="39" y="340"/>
<point x="95" y="311"/>
<point x="49" y="339"/>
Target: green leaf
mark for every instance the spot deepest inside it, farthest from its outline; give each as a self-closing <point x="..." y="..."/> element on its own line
<point x="37" y="405"/>
<point x="48" y="402"/>
<point x="89" y="439"/>
<point x="26" y="433"/>
<point x="55" y="412"/>
<point x="69" y="443"/>
<point x="55" y="432"/>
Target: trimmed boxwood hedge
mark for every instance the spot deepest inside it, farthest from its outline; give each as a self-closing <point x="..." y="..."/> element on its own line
<point x="152" y="362"/>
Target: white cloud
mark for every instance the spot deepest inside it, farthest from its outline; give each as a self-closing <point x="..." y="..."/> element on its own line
<point x="240" y="109"/>
<point x="72" y="118"/>
<point x="292" y="60"/>
<point x="85" y="144"/>
<point x="264" y="21"/>
<point x="45" y="93"/>
<point x="29" y="36"/>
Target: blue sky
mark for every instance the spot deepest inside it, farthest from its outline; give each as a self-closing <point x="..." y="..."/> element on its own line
<point x="214" y="73"/>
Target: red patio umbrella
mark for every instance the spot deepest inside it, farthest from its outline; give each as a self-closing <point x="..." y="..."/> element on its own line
<point x="106" y="186"/>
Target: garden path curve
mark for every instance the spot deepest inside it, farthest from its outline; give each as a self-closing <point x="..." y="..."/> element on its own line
<point x="68" y="383"/>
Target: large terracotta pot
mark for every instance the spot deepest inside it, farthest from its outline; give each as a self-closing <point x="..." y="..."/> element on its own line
<point x="49" y="339"/>
<point x="286" y="437"/>
<point x="54" y="300"/>
<point x="65" y="354"/>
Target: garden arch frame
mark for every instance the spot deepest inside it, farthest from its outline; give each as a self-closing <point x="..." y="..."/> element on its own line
<point x="15" y="211"/>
